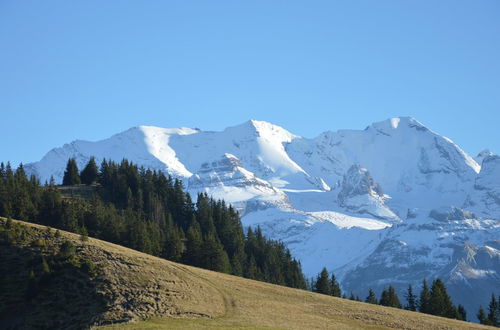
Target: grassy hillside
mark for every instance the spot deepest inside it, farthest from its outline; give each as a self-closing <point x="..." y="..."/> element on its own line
<point x="104" y="284"/>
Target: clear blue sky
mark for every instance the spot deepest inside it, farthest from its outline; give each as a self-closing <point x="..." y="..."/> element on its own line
<point x="89" y="69"/>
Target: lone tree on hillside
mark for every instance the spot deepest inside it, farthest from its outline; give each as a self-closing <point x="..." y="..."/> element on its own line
<point x="90" y="173"/>
<point x="71" y="176"/>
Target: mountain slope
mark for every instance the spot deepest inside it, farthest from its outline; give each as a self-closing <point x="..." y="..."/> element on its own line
<point x="132" y="286"/>
<point x="343" y="199"/>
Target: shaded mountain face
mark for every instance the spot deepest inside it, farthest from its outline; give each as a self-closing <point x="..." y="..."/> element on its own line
<point x="393" y="203"/>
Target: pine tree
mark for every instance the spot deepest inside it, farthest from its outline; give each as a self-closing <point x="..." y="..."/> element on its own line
<point x="461" y="313"/>
<point x="371" y="298"/>
<point x="440" y="302"/>
<point x="84" y="234"/>
<point x="493" y="311"/>
<point x="71" y="176"/>
<point x="251" y="271"/>
<point x="393" y="298"/>
<point x="424" y="299"/>
<point x="67" y="250"/>
<point x="90" y="173"/>
<point x="411" y="304"/>
<point x="335" y="286"/>
<point x="481" y="316"/>
<point x="322" y="284"/>
<point x="192" y="255"/>
<point x="389" y="298"/>
<point x="173" y="245"/>
<point x="213" y="255"/>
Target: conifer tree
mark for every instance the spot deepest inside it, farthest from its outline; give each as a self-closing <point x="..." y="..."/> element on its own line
<point x="481" y="316"/>
<point x="411" y="304"/>
<point x="424" y="299"/>
<point x="335" y="286"/>
<point x="251" y="271"/>
<point x="71" y="176"/>
<point x="461" y="313"/>
<point x="322" y="284"/>
<point x="389" y="298"/>
<point x="440" y="302"/>
<point x="371" y="298"/>
<point x="173" y="241"/>
<point x="213" y="255"/>
<point x="493" y="311"/>
<point x="67" y="250"/>
<point x="84" y="234"/>
<point x="90" y="173"/>
<point x="194" y="243"/>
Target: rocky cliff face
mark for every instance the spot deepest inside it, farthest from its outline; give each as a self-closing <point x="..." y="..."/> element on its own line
<point x="360" y="194"/>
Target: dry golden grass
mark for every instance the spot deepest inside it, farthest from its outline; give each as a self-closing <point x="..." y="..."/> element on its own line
<point x="159" y="294"/>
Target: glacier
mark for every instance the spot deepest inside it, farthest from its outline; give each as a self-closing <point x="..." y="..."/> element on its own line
<point x="391" y="204"/>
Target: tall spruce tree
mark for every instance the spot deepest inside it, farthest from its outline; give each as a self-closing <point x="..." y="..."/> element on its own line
<point x="389" y="298"/>
<point x="424" y="299"/>
<point x="440" y="302"/>
<point x="481" y="316"/>
<point x="335" y="286"/>
<point x="493" y="312"/>
<point x="71" y="176"/>
<point x="461" y="313"/>
<point x="90" y="173"/>
<point x="411" y="299"/>
<point x="322" y="284"/>
<point x="213" y="255"/>
<point x="371" y="298"/>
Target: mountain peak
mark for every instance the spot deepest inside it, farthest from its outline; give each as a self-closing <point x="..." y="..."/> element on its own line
<point x="398" y="123"/>
<point x="264" y="130"/>
<point x="482" y="155"/>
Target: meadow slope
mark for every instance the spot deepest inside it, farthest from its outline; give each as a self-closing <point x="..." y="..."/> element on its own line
<point x="152" y="293"/>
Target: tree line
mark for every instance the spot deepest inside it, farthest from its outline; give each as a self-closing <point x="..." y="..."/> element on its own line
<point x="434" y="300"/>
<point x="150" y="212"/>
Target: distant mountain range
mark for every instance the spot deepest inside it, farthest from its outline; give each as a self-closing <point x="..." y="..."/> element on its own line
<point x="391" y="204"/>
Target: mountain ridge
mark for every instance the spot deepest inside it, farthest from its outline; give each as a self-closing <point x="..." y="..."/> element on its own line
<point x="292" y="187"/>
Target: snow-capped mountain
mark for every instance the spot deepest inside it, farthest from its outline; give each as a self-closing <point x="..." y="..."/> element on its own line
<point x="393" y="203"/>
